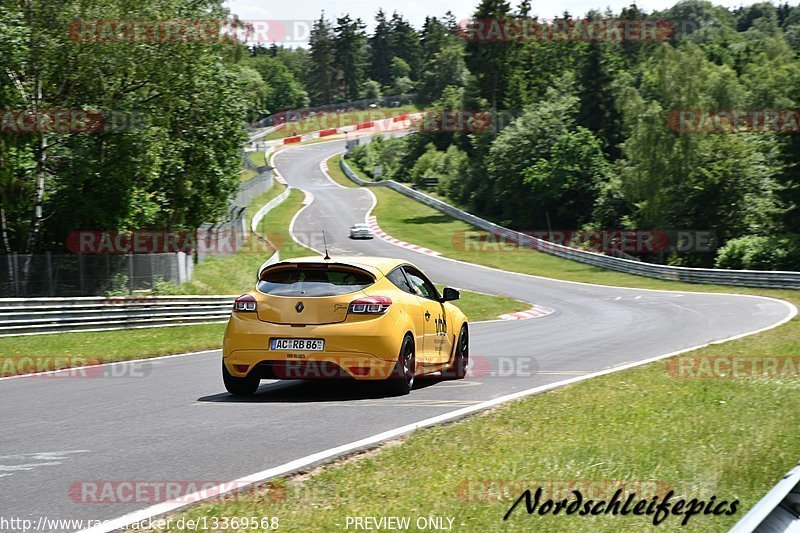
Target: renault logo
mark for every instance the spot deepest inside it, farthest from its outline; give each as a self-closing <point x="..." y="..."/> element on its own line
<point x="299" y="307"/>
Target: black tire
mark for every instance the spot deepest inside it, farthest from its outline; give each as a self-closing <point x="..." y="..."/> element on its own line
<point x="402" y="379"/>
<point x="458" y="370"/>
<point x="245" y="386"/>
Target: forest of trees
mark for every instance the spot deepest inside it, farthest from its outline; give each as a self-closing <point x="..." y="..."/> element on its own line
<point x="590" y="147"/>
<point x="587" y="145"/>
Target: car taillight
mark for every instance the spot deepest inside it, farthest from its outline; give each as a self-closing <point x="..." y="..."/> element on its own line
<point x="246" y="303"/>
<point x="370" y="305"/>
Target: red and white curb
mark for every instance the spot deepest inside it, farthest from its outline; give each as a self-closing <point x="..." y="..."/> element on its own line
<point x="537" y="311"/>
<point x="373" y="224"/>
<point x="279" y="179"/>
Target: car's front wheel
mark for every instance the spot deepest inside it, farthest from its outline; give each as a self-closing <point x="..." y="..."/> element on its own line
<point x="245" y="386"/>
<point x="402" y="379"/>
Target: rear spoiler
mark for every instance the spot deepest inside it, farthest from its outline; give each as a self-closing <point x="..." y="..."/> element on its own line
<point x="321" y="265"/>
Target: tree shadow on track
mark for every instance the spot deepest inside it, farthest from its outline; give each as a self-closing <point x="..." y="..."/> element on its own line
<point x="310" y="391"/>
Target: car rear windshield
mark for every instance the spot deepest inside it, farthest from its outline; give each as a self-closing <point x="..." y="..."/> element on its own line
<point x="304" y="281"/>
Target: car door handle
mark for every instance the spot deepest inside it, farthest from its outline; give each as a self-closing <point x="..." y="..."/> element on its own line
<point x="427" y="315"/>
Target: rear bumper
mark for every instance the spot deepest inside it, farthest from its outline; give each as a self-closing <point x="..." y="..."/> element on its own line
<point x="364" y="350"/>
<point x="320" y="366"/>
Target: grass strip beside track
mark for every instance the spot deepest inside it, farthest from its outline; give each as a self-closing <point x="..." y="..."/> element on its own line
<point x="247" y="175"/>
<point x="64" y="350"/>
<point x="335" y="171"/>
<point x="257" y="158"/>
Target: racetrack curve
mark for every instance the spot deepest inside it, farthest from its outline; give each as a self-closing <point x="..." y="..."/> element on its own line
<point x="175" y="422"/>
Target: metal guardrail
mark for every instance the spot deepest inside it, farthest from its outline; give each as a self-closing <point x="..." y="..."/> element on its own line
<point x="743" y="278"/>
<point x="269" y="206"/>
<point x="777" y="511"/>
<point x="33" y="316"/>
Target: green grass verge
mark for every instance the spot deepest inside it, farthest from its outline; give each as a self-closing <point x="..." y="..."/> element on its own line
<point x="478" y="306"/>
<point x="64" y="350"/>
<point x="247" y="174"/>
<point x="337" y="120"/>
<point x="335" y="171"/>
<point x="733" y="438"/>
<point x="257" y="158"/>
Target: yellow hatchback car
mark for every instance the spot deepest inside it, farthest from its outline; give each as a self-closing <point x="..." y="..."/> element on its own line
<point x="364" y="318"/>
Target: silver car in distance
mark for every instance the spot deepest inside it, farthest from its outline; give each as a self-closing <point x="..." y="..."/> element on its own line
<point x="361" y="231"/>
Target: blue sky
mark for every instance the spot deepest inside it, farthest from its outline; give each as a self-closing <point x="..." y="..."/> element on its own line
<point x="416" y="10"/>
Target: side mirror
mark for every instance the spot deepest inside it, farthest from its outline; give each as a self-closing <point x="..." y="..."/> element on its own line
<point x="449" y="294"/>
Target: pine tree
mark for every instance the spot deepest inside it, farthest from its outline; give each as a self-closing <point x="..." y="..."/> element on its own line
<point x="321" y="80"/>
<point x="598" y="111"/>
<point x="488" y="59"/>
<point x="434" y="37"/>
<point x="405" y="43"/>
<point x="350" y="42"/>
<point x="380" y="50"/>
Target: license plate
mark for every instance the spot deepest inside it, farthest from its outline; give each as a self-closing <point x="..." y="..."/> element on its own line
<point x="308" y="345"/>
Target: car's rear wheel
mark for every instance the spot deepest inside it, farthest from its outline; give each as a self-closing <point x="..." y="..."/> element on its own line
<point x="245" y="386"/>
<point x="402" y="379"/>
<point x="458" y="370"/>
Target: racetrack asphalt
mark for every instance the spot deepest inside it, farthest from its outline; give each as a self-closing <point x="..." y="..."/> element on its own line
<point x="171" y="419"/>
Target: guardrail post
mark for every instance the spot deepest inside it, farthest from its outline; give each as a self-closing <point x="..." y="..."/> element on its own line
<point x="49" y="260"/>
<point x="181" y="258"/>
<point x="130" y="273"/>
<point x="81" y="282"/>
<point x="14" y="267"/>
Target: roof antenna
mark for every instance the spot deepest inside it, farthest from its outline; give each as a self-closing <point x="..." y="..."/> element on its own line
<point x="327" y="257"/>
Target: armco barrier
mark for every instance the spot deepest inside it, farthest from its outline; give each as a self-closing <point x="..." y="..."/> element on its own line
<point x="252" y="188"/>
<point x="34" y="316"/>
<point x="269" y="206"/>
<point x="777" y="510"/>
<point x="744" y="278"/>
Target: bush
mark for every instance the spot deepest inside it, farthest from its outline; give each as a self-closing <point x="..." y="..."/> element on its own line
<point x="162" y="287"/>
<point x="381" y="152"/>
<point x="759" y="252"/>
<point x="118" y="285"/>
